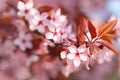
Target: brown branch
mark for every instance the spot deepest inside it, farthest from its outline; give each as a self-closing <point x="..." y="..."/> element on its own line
<point x="109" y="46"/>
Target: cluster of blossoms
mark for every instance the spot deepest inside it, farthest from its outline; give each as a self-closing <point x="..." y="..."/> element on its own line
<point x="45" y="44"/>
<point x="23" y="41"/>
<point x="55" y="27"/>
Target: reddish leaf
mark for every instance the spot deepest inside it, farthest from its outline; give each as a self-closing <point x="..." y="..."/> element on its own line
<point x="45" y="9"/>
<point x="8" y="27"/>
<point x="92" y="30"/>
<point x="2" y="35"/>
<point x="81" y="25"/>
<point x="37" y="39"/>
<point x="107" y="28"/>
<point x="106" y="38"/>
<point x="37" y="36"/>
<point x="5" y="19"/>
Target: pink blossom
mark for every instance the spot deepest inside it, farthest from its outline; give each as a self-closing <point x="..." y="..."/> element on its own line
<point x="24" y="9"/>
<point x="57" y="19"/>
<point x="68" y="34"/>
<point x="54" y="34"/>
<point x="39" y="22"/>
<point x="75" y="54"/>
<point x="23" y="41"/>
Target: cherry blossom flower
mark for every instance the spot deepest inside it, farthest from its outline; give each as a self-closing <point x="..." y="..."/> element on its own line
<point x="23" y="41"/>
<point x="68" y="34"/>
<point x="39" y="22"/>
<point x="75" y="54"/>
<point x="54" y="34"/>
<point x="24" y="9"/>
<point x="57" y="19"/>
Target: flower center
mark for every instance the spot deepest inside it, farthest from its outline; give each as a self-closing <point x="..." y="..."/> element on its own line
<point x="23" y="41"/>
<point x="40" y="23"/>
<point x="26" y="11"/>
<point x="55" y="33"/>
<point x="77" y="54"/>
<point x="54" y="19"/>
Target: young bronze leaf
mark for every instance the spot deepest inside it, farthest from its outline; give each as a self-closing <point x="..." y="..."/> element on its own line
<point x="5" y="19"/>
<point x="9" y="29"/>
<point x="80" y="29"/>
<point x="107" y="38"/>
<point x="92" y="30"/>
<point x="109" y="46"/>
<point x="37" y="36"/>
<point x="45" y="9"/>
<point x="113" y="35"/>
<point x="2" y="35"/>
<point x="107" y="28"/>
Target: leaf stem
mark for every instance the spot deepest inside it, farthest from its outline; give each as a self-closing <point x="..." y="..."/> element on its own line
<point x="87" y="37"/>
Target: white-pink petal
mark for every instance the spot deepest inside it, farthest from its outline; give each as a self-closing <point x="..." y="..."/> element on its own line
<point x="64" y="36"/>
<point x="82" y="49"/>
<point x="77" y="62"/>
<point x="44" y="15"/>
<point x="72" y="49"/>
<point x="63" y="54"/>
<point x="57" y="38"/>
<point x="41" y="28"/>
<point x="16" y="41"/>
<point x="58" y="12"/>
<point x="32" y="27"/>
<point x="29" y="4"/>
<point x="62" y="18"/>
<point x="46" y="22"/>
<point x="22" y="47"/>
<point x="71" y="56"/>
<point x="51" y="27"/>
<point x="49" y="35"/>
<point x="68" y="29"/>
<point x="20" y="14"/>
<point x="21" y="5"/>
<point x="33" y="12"/>
<point x="84" y="57"/>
